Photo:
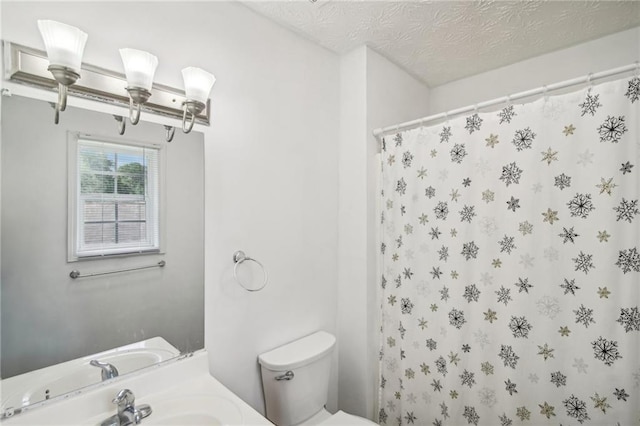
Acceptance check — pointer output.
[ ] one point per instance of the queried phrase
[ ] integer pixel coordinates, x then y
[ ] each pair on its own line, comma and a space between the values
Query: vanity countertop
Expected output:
178, 392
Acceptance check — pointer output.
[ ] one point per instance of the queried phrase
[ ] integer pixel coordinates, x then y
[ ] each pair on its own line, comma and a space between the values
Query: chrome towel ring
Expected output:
238, 258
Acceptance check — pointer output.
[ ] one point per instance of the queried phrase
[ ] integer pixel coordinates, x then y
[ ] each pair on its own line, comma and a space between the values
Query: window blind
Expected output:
117, 205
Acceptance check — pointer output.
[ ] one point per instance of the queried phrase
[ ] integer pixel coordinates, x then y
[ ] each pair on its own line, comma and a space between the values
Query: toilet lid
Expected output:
343, 419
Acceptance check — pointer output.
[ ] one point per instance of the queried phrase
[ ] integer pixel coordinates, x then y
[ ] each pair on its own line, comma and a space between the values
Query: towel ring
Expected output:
238, 258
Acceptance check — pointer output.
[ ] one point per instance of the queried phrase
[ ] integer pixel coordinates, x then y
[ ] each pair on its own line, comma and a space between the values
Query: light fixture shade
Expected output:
197, 83
139, 66
64, 43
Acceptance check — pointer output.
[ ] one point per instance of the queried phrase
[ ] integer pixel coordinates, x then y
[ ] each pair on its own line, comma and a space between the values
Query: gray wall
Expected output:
271, 159
47, 317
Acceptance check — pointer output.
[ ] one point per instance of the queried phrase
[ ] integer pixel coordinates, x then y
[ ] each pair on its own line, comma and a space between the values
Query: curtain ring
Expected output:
637, 70
508, 100
589, 82
545, 93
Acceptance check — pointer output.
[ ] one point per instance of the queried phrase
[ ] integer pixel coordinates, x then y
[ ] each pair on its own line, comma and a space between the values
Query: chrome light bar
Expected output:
28, 66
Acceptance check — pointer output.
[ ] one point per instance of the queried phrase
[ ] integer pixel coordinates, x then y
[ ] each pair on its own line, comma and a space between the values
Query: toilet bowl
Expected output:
295, 379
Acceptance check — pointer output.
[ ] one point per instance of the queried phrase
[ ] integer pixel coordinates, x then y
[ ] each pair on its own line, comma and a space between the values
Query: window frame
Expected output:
74, 198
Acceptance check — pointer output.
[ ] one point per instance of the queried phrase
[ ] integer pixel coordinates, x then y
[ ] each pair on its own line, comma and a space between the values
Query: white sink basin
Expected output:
60, 379
194, 410
180, 392
189, 419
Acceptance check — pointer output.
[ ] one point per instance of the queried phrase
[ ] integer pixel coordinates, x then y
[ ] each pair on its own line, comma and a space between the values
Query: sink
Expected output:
60, 379
180, 391
80, 374
194, 410
130, 360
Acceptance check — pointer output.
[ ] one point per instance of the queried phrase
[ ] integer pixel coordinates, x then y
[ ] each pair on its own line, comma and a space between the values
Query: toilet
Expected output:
295, 378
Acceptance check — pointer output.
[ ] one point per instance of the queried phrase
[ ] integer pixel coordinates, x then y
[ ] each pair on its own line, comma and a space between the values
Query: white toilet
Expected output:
295, 378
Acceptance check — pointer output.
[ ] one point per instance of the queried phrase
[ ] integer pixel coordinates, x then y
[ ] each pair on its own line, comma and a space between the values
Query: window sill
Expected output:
114, 256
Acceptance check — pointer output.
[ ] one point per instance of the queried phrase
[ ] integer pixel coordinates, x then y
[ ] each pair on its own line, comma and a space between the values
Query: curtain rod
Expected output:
540, 90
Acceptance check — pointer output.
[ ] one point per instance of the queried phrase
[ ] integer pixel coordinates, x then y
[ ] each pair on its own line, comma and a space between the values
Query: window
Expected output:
115, 198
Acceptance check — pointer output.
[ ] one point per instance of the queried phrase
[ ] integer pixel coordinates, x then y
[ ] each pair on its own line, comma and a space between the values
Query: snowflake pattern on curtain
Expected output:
510, 265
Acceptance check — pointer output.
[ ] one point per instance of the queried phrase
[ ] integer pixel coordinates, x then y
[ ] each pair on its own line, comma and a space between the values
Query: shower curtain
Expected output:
510, 265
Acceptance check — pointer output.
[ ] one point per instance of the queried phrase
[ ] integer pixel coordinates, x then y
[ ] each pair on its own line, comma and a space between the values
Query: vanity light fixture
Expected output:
139, 67
65, 45
63, 60
197, 86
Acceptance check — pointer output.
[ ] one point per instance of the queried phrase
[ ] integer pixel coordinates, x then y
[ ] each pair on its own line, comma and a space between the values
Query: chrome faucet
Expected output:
128, 413
108, 371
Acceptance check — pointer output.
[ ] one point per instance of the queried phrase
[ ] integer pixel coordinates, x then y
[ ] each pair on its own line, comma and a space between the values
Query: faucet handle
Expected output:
108, 371
124, 399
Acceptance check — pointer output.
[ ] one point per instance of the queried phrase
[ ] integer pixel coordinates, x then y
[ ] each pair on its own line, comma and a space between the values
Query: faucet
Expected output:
128, 413
108, 371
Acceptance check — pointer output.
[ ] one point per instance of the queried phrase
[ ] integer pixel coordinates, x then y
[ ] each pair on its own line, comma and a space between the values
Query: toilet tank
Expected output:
294, 397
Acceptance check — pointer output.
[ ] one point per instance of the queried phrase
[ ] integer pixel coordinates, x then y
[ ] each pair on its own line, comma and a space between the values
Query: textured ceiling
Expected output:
442, 41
